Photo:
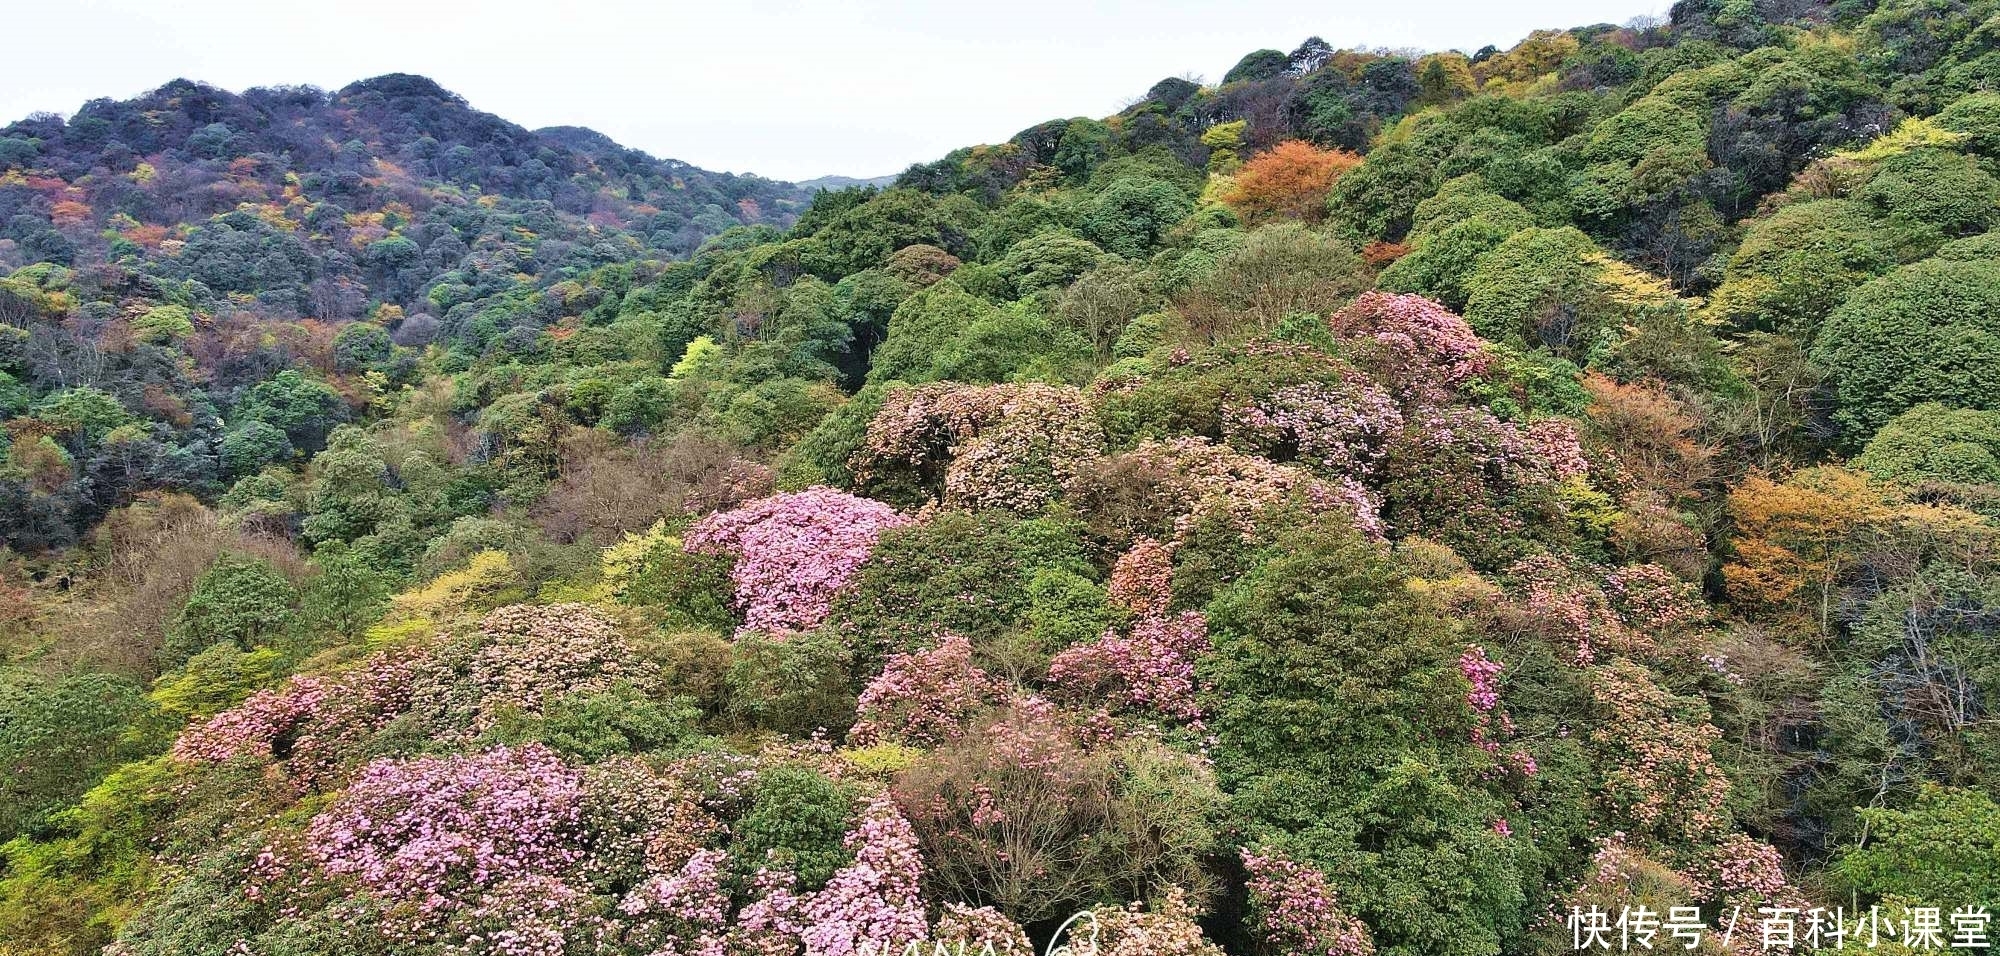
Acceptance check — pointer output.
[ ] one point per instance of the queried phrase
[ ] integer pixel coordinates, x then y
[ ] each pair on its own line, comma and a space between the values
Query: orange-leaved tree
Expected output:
1288, 181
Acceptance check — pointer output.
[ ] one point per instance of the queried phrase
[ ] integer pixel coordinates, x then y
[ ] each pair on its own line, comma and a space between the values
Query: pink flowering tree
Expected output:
925, 698
1142, 580
871, 905
1418, 347
1490, 722
1150, 670
982, 446
437, 832
1293, 910
793, 552
319, 721
527, 656
1192, 478
1338, 430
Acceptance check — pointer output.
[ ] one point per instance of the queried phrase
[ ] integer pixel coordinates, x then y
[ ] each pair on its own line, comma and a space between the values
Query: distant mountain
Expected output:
845, 182
397, 147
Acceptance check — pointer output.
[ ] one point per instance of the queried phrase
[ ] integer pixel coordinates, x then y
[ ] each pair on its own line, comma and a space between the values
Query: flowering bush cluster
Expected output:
437, 831
872, 904
1417, 344
527, 656
314, 720
793, 552
986, 446
1338, 431
1142, 579
1193, 478
1168, 929
1489, 722
1294, 910
1150, 670
1663, 780
925, 698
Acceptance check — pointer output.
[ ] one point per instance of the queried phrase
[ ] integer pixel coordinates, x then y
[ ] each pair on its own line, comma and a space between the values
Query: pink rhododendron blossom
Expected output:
528, 656
1195, 478
1142, 580
988, 446
321, 718
1295, 910
793, 552
1413, 342
925, 698
866, 906
433, 831
1556, 441
1338, 431
981, 930
1152, 669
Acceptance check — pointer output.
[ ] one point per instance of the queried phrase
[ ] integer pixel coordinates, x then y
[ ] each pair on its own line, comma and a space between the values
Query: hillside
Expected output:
1374, 504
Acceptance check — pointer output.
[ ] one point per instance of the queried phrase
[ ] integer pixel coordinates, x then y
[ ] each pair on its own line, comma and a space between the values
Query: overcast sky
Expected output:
789, 90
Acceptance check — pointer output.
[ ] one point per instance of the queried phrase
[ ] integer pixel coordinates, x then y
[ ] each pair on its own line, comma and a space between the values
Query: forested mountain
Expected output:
284, 228
1372, 504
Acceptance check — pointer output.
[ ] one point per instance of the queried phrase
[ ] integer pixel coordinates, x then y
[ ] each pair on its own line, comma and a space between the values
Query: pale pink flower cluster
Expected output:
1197, 478
870, 905
925, 698
1168, 929
685, 912
529, 656
1010, 445
1556, 441
1653, 598
1339, 431
1151, 669
531, 915
979, 928
318, 718
1568, 607
1419, 344
1664, 778
1483, 676
793, 552
1295, 910
1742, 871
1142, 580
1489, 722
435, 831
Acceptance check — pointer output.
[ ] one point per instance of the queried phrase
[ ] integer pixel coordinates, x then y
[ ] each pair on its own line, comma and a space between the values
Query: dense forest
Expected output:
1378, 503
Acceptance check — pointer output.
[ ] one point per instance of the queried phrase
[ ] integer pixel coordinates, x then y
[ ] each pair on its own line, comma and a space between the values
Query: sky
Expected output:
787, 90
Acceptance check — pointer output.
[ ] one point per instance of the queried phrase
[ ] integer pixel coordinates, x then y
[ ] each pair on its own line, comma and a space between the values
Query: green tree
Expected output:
1928, 332
240, 599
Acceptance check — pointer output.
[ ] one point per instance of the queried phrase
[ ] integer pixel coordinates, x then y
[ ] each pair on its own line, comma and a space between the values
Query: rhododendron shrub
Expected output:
1150, 670
793, 552
314, 722
1168, 929
527, 656
436, 832
1662, 780
981, 446
1592, 611
981, 930
1142, 579
1185, 480
1419, 348
1026, 813
1491, 723
925, 698
1471, 481
1294, 910
871, 905
1339, 431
